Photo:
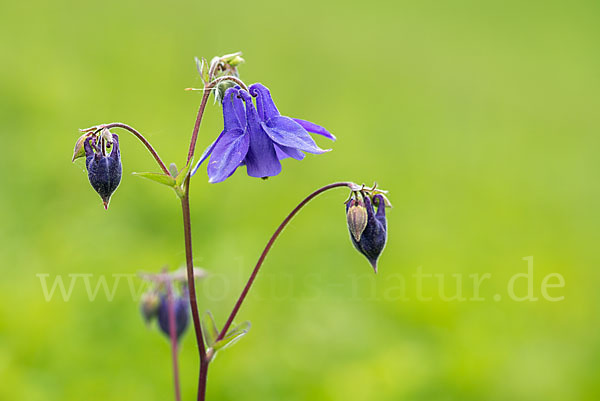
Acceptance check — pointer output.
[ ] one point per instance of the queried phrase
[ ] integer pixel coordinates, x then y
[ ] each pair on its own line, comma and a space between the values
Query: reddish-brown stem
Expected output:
205, 96
187, 230
264, 253
173, 336
142, 139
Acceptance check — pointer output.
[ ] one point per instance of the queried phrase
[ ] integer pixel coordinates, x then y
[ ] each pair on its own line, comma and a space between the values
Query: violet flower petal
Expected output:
261, 159
233, 110
227, 155
283, 152
285, 131
234, 119
207, 152
264, 102
315, 129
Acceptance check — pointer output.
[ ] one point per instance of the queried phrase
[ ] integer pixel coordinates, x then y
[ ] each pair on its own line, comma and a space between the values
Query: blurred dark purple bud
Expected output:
149, 305
182, 316
373, 237
104, 170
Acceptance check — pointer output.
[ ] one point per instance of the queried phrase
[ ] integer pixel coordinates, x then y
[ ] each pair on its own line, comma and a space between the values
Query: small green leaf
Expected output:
209, 328
232, 336
158, 177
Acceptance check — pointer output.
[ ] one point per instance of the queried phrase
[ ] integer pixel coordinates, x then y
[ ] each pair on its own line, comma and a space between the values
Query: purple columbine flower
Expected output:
369, 239
258, 137
182, 317
104, 171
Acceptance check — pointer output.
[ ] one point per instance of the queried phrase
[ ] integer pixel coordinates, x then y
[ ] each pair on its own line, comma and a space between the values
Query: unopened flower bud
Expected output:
233, 59
182, 318
374, 235
104, 171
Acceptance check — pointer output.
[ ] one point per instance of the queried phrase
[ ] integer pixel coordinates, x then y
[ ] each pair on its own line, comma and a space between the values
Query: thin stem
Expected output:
187, 231
205, 95
173, 336
264, 253
202, 379
187, 228
142, 139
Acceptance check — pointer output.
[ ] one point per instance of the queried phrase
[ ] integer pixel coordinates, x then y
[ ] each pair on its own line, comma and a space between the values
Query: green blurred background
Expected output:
479, 117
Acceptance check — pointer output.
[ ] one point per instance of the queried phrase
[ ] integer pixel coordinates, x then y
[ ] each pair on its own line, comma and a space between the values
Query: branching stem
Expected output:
268, 247
187, 230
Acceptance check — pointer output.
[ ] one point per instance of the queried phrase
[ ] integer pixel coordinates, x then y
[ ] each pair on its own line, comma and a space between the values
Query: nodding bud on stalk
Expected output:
104, 170
182, 316
167, 287
368, 230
